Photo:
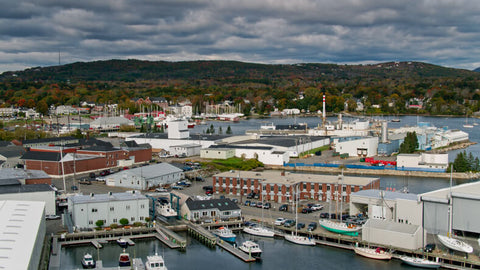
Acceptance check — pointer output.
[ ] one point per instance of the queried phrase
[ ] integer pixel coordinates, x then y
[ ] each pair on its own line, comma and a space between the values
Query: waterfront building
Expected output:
12, 190
161, 141
387, 205
146, 177
279, 186
23, 228
424, 161
210, 210
86, 210
186, 150
356, 146
393, 234
452, 209
25, 177
266, 154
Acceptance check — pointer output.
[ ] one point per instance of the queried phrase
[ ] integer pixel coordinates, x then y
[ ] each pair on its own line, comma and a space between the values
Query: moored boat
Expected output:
251, 248
166, 210
259, 231
340, 227
373, 253
124, 259
88, 261
455, 244
155, 262
225, 234
300, 240
419, 262
122, 242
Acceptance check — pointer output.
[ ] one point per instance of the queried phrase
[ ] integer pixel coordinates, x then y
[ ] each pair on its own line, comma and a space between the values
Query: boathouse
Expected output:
393, 234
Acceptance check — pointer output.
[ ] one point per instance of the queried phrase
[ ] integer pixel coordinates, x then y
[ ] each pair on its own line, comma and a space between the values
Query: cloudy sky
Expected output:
443, 32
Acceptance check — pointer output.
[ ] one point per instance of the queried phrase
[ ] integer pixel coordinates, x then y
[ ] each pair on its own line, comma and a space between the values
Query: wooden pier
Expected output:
235, 251
202, 235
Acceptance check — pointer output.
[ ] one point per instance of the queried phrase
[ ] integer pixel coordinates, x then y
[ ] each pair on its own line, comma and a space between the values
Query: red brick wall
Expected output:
38, 181
55, 168
142, 155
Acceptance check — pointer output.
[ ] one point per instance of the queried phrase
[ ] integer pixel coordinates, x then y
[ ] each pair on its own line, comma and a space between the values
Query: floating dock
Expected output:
235, 251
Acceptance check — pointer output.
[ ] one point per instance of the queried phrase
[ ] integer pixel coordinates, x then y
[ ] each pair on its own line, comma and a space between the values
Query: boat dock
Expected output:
202, 234
235, 251
137, 264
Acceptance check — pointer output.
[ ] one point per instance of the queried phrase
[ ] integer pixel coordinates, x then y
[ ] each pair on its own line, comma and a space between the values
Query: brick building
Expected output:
279, 186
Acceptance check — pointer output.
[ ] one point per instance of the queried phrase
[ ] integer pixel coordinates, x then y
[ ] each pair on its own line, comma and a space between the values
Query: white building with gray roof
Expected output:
10, 190
210, 210
146, 177
86, 210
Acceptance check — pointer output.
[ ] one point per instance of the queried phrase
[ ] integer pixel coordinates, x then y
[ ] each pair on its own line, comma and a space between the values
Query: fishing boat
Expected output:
155, 262
455, 244
124, 259
419, 262
340, 227
225, 234
294, 237
88, 261
122, 242
373, 253
251, 248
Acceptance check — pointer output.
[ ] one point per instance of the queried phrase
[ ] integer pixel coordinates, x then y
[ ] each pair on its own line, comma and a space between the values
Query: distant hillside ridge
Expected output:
229, 71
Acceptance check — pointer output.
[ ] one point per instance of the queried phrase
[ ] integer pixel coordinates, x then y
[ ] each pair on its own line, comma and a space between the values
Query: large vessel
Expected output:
419, 262
455, 244
340, 227
373, 253
88, 261
225, 234
155, 262
251, 248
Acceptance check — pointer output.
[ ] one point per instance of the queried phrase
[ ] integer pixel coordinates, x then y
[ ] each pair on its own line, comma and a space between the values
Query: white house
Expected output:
86, 210
146, 177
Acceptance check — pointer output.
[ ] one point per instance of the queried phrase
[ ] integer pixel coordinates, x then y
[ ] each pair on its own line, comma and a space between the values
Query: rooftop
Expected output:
387, 195
93, 198
469, 190
14, 173
276, 177
25, 189
220, 204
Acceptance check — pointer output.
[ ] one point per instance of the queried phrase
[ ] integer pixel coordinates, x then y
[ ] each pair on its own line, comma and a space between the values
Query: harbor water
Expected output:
277, 253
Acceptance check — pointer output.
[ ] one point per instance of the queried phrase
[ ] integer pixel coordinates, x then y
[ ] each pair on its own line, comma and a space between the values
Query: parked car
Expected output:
92, 175
177, 187
300, 225
253, 204
283, 207
316, 207
279, 221
259, 204
184, 183
187, 168
51, 217
267, 205
101, 179
207, 188
235, 200
289, 223
250, 195
74, 188
307, 210
160, 189
247, 203
312, 226
200, 179
209, 192
429, 247
324, 215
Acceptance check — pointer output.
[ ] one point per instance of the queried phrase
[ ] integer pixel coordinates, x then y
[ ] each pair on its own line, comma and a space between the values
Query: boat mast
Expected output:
449, 228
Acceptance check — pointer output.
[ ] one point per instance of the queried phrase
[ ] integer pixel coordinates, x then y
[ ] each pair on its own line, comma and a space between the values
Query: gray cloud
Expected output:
443, 32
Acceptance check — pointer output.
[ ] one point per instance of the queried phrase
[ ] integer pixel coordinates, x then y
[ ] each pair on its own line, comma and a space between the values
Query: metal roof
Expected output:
16, 173
12, 151
25, 188
20, 225
233, 146
94, 198
38, 155
386, 225
469, 190
220, 204
152, 171
284, 141
388, 195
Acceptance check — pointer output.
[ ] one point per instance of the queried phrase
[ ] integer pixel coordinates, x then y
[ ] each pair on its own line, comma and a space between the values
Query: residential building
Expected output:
210, 210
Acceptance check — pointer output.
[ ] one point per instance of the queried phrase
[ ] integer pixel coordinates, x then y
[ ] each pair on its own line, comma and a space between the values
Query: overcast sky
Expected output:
443, 32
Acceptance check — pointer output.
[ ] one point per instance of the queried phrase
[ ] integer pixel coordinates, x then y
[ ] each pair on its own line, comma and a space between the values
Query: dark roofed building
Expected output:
210, 210
48, 141
10, 156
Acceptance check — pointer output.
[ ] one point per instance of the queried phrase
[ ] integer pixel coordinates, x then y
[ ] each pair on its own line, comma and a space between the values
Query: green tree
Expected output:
124, 221
410, 143
99, 223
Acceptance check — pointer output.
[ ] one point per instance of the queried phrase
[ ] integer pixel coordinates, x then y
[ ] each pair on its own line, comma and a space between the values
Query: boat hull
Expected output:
259, 232
422, 263
332, 227
455, 244
372, 253
300, 240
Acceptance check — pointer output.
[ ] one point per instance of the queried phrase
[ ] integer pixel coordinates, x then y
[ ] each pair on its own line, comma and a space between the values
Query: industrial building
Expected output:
217, 153
146, 177
356, 146
35, 192
279, 186
23, 228
86, 210
393, 235
185, 150
424, 161
266, 154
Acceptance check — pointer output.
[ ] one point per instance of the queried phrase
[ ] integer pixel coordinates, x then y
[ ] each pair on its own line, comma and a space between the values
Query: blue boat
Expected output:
225, 234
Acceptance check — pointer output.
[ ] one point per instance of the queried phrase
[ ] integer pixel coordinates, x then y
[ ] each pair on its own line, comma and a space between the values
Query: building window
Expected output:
141, 218
90, 222
94, 210
352, 189
344, 189
142, 206
132, 218
112, 208
114, 220
304, 186
227, 213
328, 188
128, 207
204, 213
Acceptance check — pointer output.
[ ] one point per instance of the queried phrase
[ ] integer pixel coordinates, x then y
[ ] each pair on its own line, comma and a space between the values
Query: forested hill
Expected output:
232, 71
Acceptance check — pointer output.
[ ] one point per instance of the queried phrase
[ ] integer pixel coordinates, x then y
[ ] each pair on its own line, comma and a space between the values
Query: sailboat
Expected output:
467, 125
295, 238
448, 240
340, 227
419, 262
259, 230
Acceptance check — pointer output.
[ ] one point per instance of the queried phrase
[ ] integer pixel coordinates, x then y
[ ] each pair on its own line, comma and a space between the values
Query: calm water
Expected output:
278, 254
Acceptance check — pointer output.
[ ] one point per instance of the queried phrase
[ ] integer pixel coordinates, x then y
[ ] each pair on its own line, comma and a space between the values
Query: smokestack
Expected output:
323, 114
384, 131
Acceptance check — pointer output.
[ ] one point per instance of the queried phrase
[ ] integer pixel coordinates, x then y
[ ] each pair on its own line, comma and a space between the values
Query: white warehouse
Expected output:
86, 210
356, 146
428, 161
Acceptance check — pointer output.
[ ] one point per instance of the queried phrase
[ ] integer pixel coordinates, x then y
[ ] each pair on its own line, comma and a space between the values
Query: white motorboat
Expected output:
124, 259
259, 231
455, 244
300, 240
225, 234
155, 262
88, 261
419, 262
166, 210
251, 248
122, 242
373, 253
